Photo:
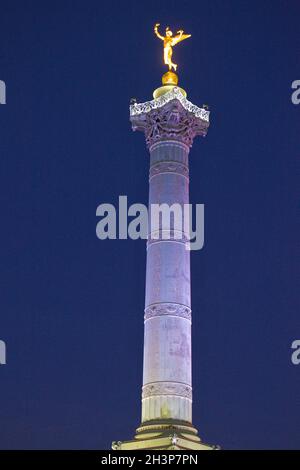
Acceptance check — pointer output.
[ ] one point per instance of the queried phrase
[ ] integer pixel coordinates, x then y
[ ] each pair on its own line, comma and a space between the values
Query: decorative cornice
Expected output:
167, 388
164, 308
175, 93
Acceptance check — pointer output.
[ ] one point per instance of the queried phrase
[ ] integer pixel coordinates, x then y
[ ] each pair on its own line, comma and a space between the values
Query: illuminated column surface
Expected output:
170, 123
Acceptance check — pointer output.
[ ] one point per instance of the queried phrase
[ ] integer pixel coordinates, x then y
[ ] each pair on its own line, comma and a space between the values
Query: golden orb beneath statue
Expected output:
169, 81
170, 78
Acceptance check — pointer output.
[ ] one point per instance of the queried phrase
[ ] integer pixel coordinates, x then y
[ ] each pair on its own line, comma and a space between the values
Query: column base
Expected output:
164, 435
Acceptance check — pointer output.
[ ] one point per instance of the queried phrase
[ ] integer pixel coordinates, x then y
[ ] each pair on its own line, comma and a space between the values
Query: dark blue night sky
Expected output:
72, 305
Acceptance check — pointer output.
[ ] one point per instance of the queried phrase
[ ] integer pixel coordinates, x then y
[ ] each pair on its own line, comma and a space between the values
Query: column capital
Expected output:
169, 117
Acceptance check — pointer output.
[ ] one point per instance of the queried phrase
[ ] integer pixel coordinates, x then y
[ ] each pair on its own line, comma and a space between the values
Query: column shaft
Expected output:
167, 385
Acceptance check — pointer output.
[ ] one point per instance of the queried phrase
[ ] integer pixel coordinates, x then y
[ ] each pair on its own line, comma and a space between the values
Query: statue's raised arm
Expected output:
157, 32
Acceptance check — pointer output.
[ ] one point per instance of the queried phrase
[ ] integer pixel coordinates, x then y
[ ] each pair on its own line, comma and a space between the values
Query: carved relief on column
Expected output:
167, 388
165, 235
163, 308
169, 167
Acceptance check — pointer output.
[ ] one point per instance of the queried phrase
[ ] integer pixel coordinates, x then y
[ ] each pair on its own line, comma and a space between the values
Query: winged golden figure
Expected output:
169, 42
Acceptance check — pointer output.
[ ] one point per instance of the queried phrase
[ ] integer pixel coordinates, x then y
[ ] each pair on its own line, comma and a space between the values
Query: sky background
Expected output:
72, 305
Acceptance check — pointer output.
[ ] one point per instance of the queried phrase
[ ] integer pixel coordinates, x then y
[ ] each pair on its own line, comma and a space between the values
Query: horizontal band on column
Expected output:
168, 308
167, 235
153, 242
174, 143
169, 167
167, 388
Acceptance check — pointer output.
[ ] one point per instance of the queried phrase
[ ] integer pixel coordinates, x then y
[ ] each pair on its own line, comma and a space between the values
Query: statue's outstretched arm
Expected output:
157, 33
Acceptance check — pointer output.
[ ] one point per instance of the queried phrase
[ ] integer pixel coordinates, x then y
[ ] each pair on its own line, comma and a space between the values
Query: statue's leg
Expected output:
170, 53
166, 57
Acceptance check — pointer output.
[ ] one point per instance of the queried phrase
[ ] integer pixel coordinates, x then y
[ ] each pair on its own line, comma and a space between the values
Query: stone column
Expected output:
167, 382
170, 123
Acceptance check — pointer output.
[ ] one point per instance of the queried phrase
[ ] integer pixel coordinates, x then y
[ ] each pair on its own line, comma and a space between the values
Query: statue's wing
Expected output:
179, 38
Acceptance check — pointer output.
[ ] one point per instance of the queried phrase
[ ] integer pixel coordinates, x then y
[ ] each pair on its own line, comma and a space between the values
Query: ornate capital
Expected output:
169, 117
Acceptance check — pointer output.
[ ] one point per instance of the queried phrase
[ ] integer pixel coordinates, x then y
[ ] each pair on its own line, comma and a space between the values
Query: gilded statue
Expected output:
169, 42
